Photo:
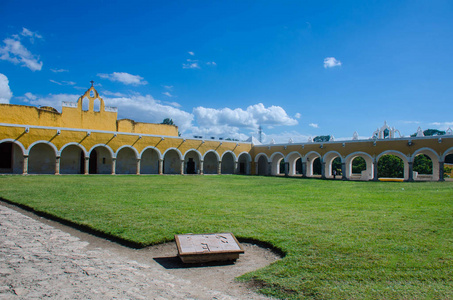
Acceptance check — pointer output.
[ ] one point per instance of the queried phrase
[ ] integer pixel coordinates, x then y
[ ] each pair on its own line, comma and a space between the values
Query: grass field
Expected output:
350, 240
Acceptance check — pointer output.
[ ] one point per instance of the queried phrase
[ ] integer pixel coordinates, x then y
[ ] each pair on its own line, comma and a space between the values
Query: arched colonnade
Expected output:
295, 164
43, 157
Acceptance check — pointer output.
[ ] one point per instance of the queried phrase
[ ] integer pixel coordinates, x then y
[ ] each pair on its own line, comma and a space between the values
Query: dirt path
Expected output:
41, 258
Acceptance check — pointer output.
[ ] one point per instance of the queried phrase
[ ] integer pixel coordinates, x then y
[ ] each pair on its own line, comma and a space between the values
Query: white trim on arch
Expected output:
367, 174
257, 157
73, 144
431, 151
446, 153
15, 142
181, 157
200, 157
232, 153
152, 148
245, 153
212, 151
102, 145
137, 156
42, 142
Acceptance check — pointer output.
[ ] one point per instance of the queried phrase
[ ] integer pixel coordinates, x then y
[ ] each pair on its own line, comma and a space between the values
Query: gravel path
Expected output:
40, 261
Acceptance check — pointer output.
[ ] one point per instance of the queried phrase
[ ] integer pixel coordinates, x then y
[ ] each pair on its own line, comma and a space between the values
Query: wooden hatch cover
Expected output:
200, 248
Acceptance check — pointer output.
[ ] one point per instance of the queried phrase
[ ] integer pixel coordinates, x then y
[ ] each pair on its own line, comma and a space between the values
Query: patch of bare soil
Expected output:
215, 276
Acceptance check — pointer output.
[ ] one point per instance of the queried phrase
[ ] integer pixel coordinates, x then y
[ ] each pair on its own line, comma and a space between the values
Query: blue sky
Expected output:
222, 68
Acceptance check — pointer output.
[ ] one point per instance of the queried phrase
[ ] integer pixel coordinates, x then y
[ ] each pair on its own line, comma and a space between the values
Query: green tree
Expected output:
358, 164
423, 164
321, 138
390, 166
168, 121
336, 165
430, 132
317, 166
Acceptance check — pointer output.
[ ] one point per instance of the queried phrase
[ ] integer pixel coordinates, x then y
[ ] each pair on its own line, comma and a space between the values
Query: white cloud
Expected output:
283, 137
115, 94
49, 100
297, 115
314, 125
14, 51
125, 78
168, 87
211, 63
191, 64
191, 53
5, 91
59, 70
167, 94
251, 118
442, 125
330, 62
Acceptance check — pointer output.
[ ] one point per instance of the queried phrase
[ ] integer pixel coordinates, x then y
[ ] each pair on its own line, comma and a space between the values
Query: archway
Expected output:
244, 161
72, 160
261, 162
126, 161
359, 166
425, 165
11, 158
313, 164
149, 162
227, 163
100, 160
191, 162
294, 160
172, 162
392, 164
276, 168
329, 166
210, 163
41, 159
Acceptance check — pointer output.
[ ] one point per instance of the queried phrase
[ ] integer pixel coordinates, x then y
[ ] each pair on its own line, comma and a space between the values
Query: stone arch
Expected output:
192, 159
228, 162
172, 161
211, 162
261, 164
42, 158
11, 156
275, 159
401, 156
101, 159
293, 159
446, 153
328, 159
126, 160
244, 163
367, 174
72, 159
149, 160
435, 158
310, 157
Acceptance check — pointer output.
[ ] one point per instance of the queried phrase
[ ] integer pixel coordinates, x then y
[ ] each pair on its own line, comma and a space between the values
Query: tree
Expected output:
168, 121
430, 132
390, 166
321, 138
358, 164
423, 164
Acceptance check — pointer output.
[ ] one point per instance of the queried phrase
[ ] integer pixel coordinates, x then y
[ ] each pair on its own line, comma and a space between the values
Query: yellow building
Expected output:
87, 138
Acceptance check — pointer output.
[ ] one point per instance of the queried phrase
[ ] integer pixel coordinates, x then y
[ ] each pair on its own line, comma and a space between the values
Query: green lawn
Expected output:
349, 240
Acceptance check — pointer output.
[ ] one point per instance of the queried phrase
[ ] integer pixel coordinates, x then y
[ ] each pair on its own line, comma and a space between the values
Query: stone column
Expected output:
87, 165
160, 168
138, 166
343, 171
201, 167
441, 171
235, 171
113, 166
57, 165
219, 168
411, 171
286, 169
375, 170
304, 169
182, 166
323, 170
25, 172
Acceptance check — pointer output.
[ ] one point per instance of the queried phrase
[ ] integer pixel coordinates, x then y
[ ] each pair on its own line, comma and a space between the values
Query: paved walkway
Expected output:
39, 261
